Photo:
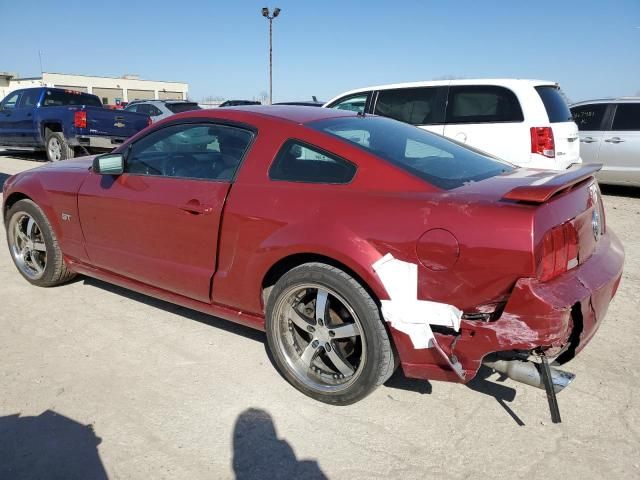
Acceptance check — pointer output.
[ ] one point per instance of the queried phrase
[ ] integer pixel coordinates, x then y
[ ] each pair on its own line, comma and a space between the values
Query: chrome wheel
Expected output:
27, 245
320, 337
54, 148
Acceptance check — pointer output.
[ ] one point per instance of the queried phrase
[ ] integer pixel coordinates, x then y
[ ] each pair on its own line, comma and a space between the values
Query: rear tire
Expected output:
33, 246
326, 335
57, 147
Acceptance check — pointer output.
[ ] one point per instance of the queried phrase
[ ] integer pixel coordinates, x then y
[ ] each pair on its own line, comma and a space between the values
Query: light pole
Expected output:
265, 14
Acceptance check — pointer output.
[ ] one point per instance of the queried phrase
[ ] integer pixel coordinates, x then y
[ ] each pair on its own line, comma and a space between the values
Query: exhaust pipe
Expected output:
528, 372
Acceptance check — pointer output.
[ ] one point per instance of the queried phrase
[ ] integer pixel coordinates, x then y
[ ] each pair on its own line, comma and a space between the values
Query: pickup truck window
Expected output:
30, 98
57, 98
11, 101
200, 151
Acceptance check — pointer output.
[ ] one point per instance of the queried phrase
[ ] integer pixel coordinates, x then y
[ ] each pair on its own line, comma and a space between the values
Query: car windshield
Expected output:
430, 157
182, 107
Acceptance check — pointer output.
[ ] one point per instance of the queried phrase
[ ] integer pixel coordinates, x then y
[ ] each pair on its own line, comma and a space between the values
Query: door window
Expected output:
354, 103
627, 117
202, 151
11, 101
30, 98
589, 117
482, 104
417, 106
300, 162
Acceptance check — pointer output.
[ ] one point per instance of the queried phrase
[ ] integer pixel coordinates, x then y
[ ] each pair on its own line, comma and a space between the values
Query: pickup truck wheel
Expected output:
34, 247
326, 336
57, 147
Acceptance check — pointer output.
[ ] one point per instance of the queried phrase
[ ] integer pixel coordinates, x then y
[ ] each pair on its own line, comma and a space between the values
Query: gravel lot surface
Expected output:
100, 382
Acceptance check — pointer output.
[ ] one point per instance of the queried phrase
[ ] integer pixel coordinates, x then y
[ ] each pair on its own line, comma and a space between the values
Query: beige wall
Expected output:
140, 95
170, 95
110, 94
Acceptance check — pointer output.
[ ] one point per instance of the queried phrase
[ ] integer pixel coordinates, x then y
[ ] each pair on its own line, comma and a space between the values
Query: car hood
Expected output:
82, 163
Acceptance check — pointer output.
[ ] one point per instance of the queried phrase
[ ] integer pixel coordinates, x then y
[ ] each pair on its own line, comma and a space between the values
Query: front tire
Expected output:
33, 246
326, 335
57, 147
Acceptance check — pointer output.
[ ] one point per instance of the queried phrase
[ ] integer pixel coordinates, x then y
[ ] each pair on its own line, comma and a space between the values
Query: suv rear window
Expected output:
554, 103
430, 157
57, 98
182, 107
482, 104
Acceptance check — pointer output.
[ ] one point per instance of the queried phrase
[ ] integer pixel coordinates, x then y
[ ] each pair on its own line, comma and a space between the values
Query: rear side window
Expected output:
417, 106
57, 98
300, 162
482, 104
353, 103
182, 107
627, 117
30, 98
589, 117
554, 103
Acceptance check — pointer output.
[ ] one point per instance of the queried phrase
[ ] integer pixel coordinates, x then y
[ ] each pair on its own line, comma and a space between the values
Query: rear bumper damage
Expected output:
558, 317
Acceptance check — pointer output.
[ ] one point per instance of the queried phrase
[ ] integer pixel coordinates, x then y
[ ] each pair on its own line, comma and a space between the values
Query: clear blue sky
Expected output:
325, 47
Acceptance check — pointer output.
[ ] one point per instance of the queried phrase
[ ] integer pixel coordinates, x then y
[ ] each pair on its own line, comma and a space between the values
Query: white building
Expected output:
111, 90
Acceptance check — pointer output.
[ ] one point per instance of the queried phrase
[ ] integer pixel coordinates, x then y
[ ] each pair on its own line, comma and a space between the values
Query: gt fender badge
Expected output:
66, 217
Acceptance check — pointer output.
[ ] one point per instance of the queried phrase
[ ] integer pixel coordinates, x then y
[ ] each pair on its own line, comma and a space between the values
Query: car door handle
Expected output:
196, 208
614, 140
588, 140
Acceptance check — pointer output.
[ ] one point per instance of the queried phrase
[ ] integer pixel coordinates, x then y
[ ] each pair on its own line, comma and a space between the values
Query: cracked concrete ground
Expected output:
100, 382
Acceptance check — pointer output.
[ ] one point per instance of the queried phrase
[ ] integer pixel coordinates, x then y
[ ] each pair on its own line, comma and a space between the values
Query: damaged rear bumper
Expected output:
559, 316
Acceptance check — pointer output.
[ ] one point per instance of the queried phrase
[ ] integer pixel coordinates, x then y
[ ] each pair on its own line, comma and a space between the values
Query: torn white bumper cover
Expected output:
404, 311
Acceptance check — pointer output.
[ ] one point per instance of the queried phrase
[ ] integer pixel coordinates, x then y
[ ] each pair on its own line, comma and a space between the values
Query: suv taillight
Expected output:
558, 251
542, 141
80, 119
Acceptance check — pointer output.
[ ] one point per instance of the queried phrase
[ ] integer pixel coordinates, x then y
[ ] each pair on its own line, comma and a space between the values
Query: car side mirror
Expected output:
109, 164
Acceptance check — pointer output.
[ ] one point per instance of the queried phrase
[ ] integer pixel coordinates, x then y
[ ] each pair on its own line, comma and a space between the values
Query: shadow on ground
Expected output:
258, 452
32, 156
216, 322
48, 446
620, 191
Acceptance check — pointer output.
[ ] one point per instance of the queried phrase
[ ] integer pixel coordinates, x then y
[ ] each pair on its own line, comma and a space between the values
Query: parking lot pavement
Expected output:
97, 381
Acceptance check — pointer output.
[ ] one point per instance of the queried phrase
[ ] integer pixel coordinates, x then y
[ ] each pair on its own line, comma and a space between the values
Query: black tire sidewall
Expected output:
54, 255
368, 313
66, 151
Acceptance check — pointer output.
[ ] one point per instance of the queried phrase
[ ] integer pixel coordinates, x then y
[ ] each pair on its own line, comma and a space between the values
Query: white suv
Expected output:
526, 122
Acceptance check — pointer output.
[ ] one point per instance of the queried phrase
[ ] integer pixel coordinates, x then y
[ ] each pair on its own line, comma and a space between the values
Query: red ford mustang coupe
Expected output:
358, 243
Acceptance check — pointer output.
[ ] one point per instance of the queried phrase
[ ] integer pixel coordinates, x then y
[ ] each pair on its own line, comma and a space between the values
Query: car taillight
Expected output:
542, 141
80, 119
558, 251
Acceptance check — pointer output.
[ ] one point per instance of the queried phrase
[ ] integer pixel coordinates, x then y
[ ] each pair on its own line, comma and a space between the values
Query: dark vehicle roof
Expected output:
234, 103
302, 104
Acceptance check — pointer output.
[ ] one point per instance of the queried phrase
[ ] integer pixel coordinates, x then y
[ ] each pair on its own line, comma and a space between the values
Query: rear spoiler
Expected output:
552, 184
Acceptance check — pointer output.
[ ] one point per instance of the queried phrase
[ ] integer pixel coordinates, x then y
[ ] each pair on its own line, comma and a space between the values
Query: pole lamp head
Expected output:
276, 12
265, 12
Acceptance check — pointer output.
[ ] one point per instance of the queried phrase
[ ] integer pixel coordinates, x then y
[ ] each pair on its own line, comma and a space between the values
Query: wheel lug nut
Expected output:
332, 333
327, 347
320, 322
314, 344
311, 329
